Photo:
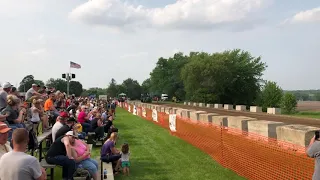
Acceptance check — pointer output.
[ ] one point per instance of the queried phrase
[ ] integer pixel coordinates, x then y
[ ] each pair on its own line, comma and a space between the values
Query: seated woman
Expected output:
81, 154
83, 119
98, 126
15, 114
110, 154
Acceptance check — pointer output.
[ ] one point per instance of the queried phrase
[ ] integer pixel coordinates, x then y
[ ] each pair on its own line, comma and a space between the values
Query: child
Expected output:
125, 154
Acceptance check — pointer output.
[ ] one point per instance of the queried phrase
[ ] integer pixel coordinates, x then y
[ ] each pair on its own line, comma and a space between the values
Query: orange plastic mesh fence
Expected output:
250, 155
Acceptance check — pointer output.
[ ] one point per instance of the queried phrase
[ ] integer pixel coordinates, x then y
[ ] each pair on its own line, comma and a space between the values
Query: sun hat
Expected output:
6, 85
70, 133
4, 128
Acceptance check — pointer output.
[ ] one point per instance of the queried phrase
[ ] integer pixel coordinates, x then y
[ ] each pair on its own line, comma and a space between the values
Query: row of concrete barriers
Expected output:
255, 109
295, 134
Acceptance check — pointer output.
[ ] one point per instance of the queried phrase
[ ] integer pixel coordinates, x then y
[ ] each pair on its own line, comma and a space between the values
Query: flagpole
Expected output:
68, 80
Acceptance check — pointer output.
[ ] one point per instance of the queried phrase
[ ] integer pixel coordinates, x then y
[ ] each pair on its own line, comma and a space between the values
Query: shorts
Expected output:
125, 164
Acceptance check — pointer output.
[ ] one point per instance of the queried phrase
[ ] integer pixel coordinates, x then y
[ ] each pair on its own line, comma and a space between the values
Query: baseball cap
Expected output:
64, 115
4, 127
6, 85
70, 133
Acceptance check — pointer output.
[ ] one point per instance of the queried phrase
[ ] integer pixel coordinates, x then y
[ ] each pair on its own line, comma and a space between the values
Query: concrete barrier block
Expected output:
228, 106
162, 109
195, 104
179, 112
195, 115
239, 122
241, 108
296, 134
209, 105
168, 110
174, 110
274, 110
270, 111
217, 120
185, 113
202, 104
189, 103
218, 106
207, 117
264, 128
255, 109
185, 103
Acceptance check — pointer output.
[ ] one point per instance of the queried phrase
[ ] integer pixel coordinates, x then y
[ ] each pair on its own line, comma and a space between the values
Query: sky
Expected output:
121, 39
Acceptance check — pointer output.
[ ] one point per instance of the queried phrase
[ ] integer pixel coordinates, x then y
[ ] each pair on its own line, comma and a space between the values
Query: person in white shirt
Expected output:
17, 165
4, 143
59, 123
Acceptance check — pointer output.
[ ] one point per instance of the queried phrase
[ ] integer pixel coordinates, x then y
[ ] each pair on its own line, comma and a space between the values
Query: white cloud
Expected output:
308, 16
139, 54
181, 14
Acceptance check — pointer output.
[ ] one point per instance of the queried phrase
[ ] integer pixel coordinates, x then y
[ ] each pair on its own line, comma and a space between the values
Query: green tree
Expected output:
165, 77
146, 86
288, 103
232, 77
27, 82
58, 84
112, 89
271, 95
132, 88
96, 91
75, 87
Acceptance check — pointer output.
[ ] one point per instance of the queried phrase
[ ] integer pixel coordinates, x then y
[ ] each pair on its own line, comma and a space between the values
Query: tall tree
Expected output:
132, 88
165, 77
146, 86
75, 88
112, 89
271, 95
26, 83
232, 77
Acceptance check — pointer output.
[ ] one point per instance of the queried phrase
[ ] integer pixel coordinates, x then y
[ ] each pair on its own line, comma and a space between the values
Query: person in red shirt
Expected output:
83, 119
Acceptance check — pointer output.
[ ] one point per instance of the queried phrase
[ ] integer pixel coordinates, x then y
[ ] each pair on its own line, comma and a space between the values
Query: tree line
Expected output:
228, 77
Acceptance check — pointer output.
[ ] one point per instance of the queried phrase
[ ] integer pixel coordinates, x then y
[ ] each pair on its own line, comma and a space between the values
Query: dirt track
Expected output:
260, 116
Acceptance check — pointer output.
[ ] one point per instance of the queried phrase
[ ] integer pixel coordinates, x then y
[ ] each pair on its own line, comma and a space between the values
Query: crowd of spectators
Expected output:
69, 119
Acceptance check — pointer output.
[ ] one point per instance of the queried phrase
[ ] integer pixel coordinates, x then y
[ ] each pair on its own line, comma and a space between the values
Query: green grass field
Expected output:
308, 114
157, 155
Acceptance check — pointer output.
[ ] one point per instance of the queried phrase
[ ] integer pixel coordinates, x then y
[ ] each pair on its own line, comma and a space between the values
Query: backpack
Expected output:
33, 141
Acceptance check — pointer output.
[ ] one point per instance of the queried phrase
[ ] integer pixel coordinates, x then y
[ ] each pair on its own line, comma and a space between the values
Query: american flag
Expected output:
74, 65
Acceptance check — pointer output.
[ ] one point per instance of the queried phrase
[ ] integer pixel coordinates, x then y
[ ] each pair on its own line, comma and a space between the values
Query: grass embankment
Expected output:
307, 114
157, 155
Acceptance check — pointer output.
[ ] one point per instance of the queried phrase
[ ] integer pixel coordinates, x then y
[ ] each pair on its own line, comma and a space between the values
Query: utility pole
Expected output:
68, 77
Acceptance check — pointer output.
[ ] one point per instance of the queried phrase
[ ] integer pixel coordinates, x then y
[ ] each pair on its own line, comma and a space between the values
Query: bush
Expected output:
289, 103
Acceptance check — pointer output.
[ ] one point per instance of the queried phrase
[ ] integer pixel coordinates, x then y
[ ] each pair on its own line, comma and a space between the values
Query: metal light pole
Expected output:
68, 83
68, 77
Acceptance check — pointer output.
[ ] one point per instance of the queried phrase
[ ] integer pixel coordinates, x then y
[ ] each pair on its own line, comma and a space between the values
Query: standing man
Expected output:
17, 165
6, 88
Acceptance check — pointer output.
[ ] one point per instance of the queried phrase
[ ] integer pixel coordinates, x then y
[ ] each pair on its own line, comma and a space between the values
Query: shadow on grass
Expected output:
145, 169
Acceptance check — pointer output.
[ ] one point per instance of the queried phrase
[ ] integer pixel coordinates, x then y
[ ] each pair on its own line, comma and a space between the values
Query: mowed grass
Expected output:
157, 155
308, 114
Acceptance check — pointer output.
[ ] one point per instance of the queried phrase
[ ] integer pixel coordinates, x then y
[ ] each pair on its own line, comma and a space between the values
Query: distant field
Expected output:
308, 106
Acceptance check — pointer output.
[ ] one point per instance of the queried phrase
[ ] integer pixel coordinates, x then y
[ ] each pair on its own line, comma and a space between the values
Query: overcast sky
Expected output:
120, 39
